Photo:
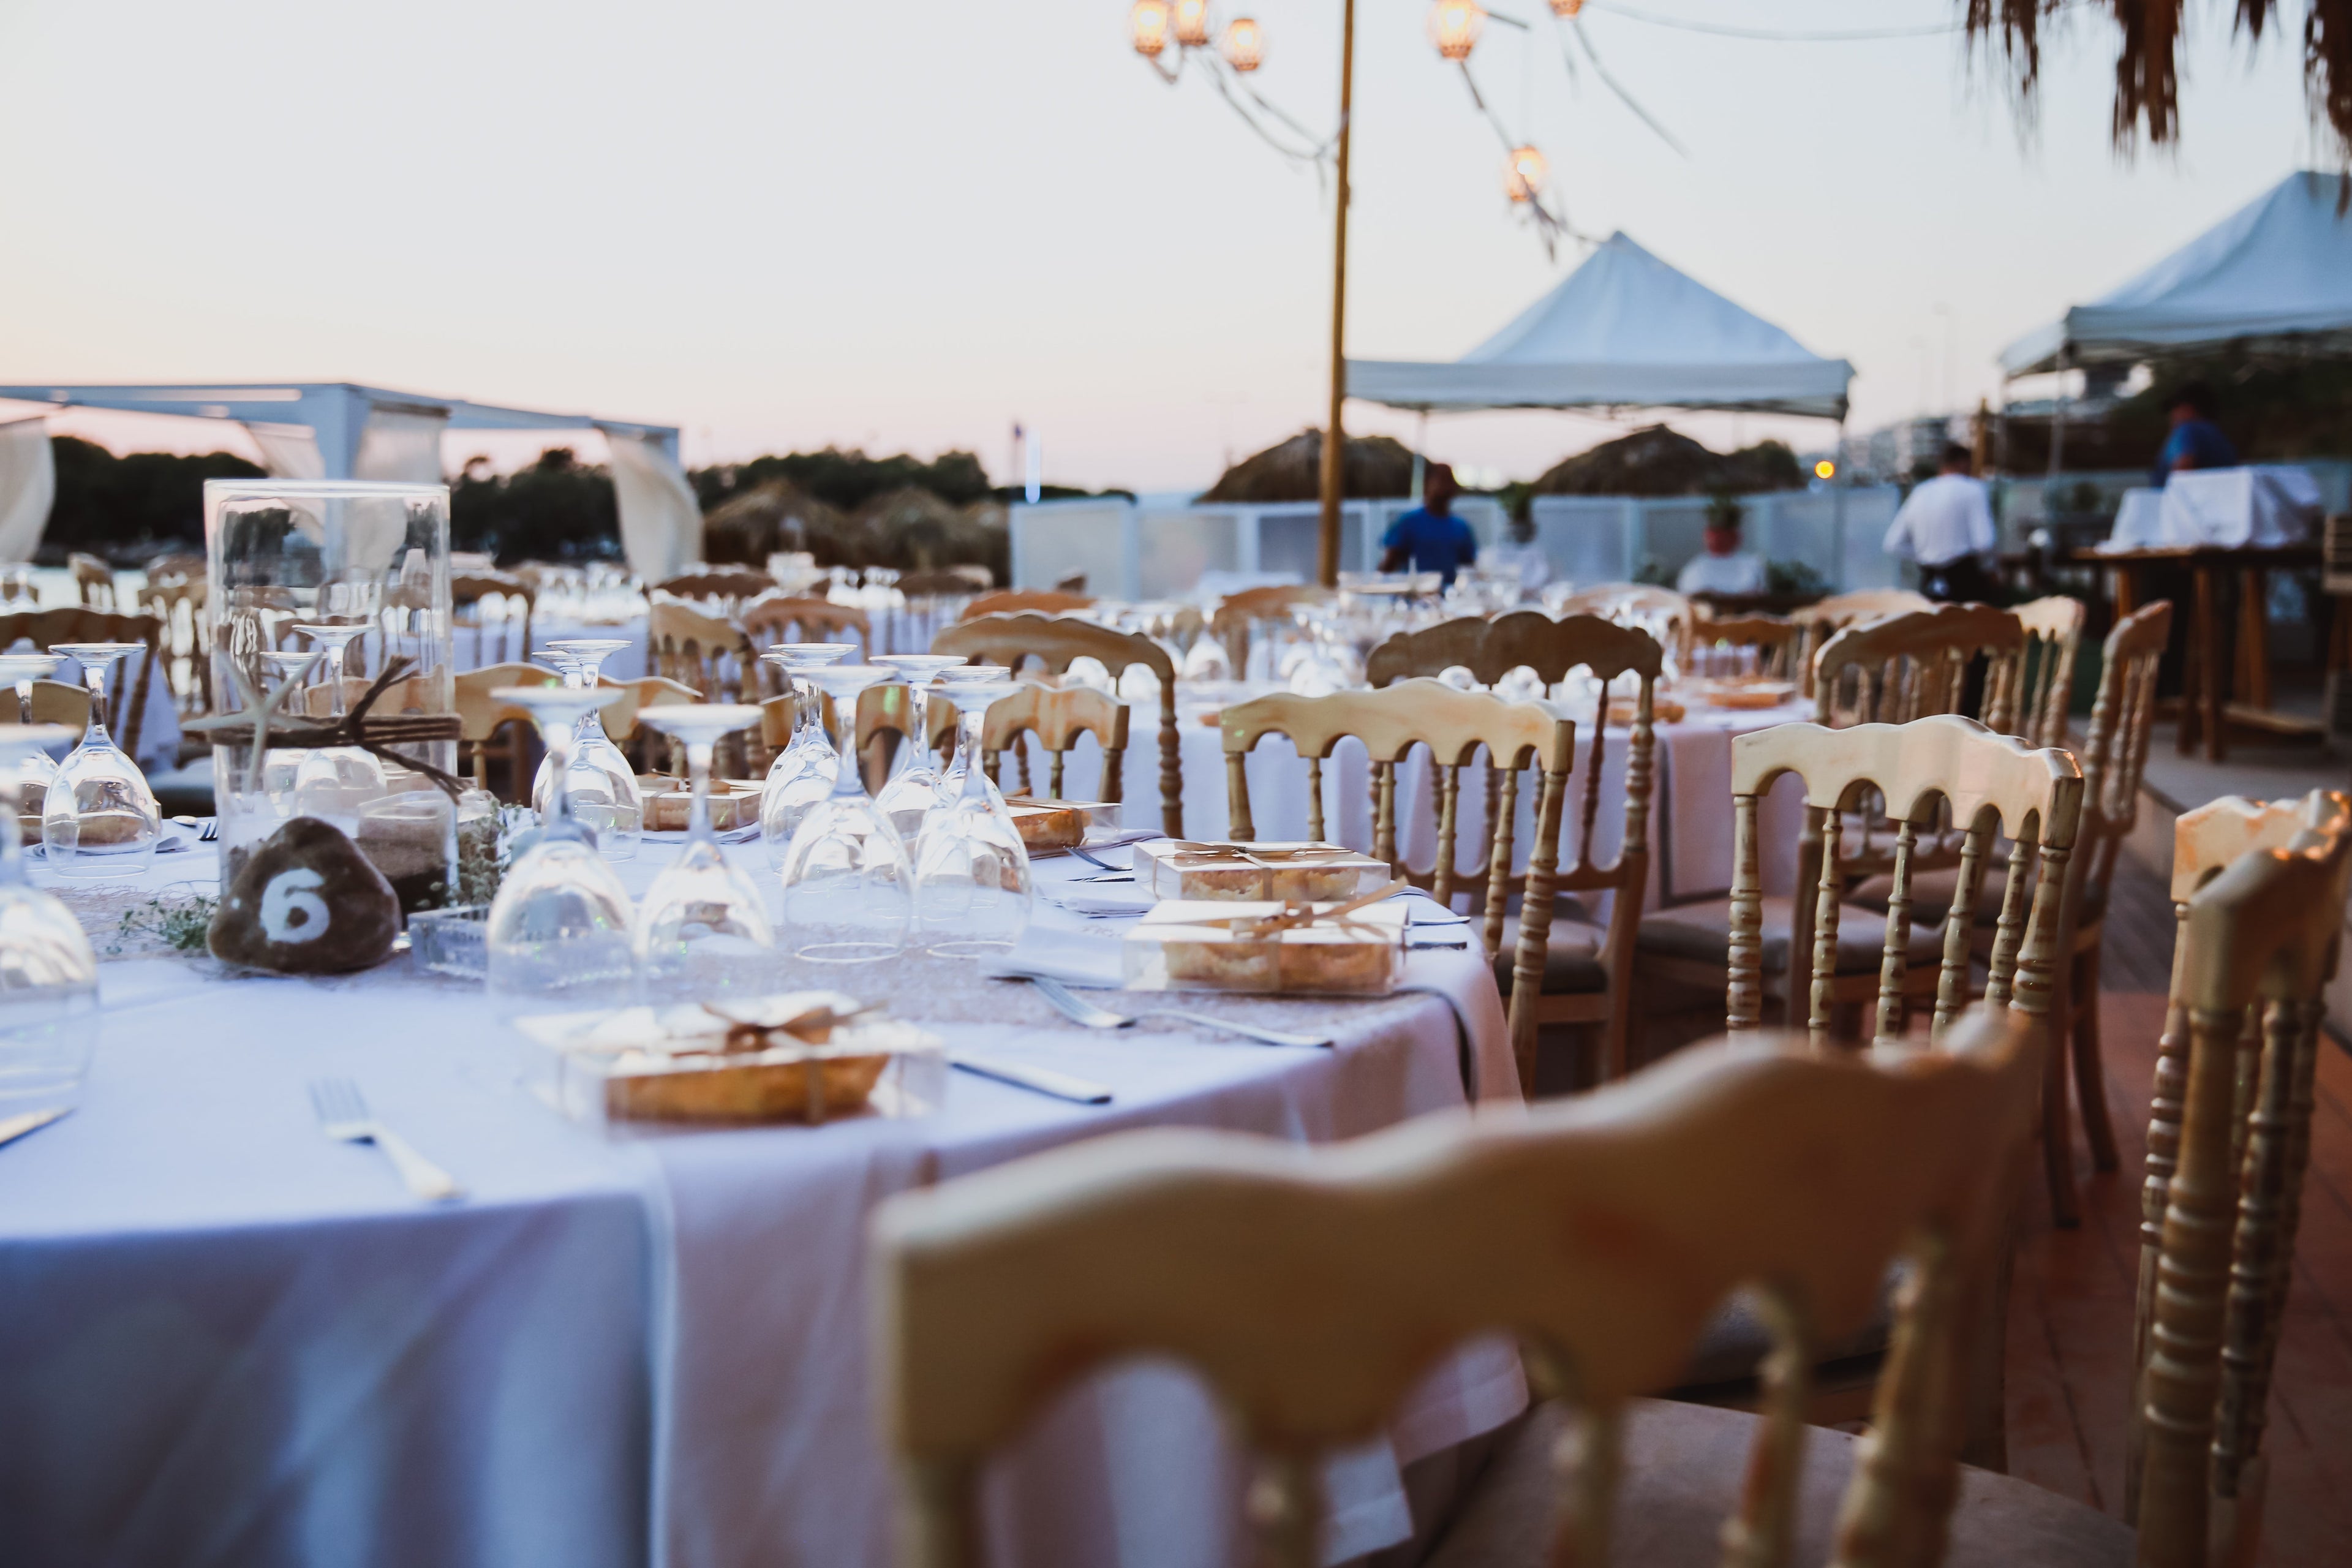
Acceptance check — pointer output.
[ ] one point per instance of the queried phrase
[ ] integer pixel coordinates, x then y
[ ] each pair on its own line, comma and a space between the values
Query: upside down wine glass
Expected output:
913, 790
37, 768
560, 930
603, 782
49, 975
974, 891
802, 773
848, 886
99, 818
335, 780
703, 931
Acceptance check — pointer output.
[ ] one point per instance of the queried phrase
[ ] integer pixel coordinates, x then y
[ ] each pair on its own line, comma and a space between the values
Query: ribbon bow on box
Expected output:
1298, 917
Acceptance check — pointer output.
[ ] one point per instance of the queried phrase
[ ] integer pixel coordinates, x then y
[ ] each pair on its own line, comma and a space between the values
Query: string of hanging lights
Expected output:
1228, 59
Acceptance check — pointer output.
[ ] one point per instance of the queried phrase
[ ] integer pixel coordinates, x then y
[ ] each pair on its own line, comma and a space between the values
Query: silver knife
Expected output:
1041, 1080
16, 1127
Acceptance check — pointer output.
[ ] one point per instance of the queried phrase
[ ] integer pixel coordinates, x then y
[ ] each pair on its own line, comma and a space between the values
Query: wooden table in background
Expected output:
2209, 675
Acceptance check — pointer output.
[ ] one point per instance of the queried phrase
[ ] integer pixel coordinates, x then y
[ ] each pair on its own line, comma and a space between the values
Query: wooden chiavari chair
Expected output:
1774, 639
778, 618
1056, 641
713, 659
481, 719
1237, 617
470, 599
2054, 637
721, 592
1825, 618
178, 605
2261, 925
46, 628
1311, 1290
1896, 668
879, 708
1653, 610
93, 581
1019, 601
1058, 715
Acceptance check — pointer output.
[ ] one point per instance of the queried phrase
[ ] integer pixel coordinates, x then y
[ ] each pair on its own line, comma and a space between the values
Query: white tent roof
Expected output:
1625, 330
2278, 267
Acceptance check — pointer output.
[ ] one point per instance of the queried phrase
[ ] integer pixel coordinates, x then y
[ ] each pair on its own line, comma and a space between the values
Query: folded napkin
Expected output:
1074, 958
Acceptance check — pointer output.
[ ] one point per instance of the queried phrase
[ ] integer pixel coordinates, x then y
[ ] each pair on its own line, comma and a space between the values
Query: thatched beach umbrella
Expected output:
1375, 468
747, 529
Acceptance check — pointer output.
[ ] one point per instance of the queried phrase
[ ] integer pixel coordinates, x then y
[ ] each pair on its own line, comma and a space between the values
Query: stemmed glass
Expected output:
703, 930
848, 886
972, 885
914, 788
802, 773
99, 818
334, 778
21, 670
283, 766
603, 782
558, 930
49, 975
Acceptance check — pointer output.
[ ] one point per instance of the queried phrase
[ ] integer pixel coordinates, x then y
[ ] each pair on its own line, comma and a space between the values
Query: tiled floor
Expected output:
2070, 1329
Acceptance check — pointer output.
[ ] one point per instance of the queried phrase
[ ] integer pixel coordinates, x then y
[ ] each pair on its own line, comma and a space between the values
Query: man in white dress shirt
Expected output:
1945, 525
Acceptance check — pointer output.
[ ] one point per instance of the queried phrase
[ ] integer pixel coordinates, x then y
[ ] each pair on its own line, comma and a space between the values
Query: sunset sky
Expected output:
903, 226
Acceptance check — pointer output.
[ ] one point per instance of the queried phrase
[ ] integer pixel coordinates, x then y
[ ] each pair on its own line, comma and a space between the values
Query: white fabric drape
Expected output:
28, 485
661, 523
288, 451
402, 443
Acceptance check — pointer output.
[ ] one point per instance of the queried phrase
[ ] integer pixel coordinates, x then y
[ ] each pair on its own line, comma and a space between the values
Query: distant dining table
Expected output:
226, 1339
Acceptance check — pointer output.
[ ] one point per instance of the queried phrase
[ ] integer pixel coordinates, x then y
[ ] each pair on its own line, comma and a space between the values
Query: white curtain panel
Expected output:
28, 484
402, 443
661, 523
288, 451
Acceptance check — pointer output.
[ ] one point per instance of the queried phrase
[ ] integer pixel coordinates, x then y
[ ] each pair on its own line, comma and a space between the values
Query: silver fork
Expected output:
1093, 1017
343, 1115
207, 827
1079, 850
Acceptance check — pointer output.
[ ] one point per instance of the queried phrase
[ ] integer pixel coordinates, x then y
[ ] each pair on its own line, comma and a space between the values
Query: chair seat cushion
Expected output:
1571, 956
1931, 896
1702, 932
1684, 1469
1737, 1341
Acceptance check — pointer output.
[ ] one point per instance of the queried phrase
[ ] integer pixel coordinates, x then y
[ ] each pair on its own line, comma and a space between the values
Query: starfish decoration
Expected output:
263, 708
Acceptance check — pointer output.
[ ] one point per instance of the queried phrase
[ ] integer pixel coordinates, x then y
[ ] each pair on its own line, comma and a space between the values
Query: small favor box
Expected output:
734, 803
1048, 827
693, 1066
1222, 945
1282, 873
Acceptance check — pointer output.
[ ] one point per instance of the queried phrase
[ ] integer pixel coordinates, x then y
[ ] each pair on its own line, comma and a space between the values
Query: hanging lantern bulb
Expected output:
1454, 26
1191, 22
1524, 172
1244, 44
1146, 24
1567, 8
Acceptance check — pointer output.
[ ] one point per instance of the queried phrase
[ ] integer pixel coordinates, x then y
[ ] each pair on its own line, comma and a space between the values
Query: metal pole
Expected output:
1327, 541
2058, 418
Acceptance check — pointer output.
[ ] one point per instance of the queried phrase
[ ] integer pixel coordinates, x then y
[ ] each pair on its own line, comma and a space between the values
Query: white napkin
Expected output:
1074, 958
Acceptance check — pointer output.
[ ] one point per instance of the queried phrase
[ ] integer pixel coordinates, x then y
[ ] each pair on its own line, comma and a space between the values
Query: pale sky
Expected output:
903, 225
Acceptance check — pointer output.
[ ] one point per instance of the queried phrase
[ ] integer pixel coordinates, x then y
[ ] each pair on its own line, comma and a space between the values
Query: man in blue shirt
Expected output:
2196, 442
1429, 536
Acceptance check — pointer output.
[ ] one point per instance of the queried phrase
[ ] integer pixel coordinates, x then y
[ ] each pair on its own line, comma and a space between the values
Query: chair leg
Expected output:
2058, 1140
2090, 1073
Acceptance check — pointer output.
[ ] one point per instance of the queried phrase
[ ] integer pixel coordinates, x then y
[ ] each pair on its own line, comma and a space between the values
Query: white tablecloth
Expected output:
2259, 505
226, 1340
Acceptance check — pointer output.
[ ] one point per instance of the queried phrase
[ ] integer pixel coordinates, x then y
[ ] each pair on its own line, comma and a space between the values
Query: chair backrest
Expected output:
723, 590
480, 717
45, 629
940, 584
177, 603
1014, 601
1825, 618
647, 691
1055, 641
1238, 615
691, 647
1654, 610
54, 702
2054, 635
177, 565
1989, 782
2115, 752
1311, 1290
93, 581
468, 593
1058, 715
2258, 947
776, 618
1774, 639
1900, 668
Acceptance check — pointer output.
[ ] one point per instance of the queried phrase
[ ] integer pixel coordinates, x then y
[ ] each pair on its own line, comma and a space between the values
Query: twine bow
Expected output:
374, 736
1300, 916
1187, 855
814, 1027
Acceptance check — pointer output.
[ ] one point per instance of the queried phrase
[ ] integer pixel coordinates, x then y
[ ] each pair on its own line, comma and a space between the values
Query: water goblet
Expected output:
335, 780
802, 773
49, 975
37, 768
603, 781
98, 817
848, 886
560, 929
974, 891
703, 931
914, 789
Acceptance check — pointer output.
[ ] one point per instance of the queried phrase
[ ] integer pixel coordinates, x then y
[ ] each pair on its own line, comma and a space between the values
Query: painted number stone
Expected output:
306, 902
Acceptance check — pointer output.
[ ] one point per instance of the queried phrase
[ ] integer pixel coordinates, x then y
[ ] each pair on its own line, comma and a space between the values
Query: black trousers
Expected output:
1961, 581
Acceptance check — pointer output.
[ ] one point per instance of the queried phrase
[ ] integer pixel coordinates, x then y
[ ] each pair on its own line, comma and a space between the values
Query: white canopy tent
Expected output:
1623, 329
339, 431
2275, 273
